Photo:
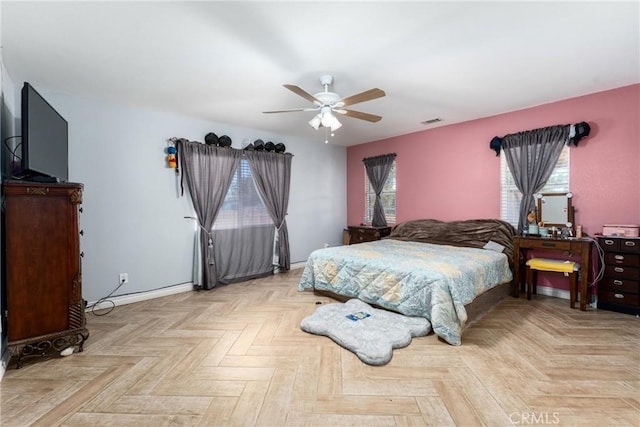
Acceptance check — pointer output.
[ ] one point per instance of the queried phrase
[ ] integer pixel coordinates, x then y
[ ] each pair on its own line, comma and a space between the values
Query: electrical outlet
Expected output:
124, 278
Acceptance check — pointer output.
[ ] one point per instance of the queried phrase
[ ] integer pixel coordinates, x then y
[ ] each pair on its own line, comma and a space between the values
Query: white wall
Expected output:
133, 212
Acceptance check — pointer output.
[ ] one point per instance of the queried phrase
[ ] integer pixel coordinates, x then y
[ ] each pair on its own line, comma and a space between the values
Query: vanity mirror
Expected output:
555, 210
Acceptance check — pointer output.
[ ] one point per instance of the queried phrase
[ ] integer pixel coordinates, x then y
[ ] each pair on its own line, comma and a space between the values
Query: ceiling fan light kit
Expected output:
329, 103
315, 122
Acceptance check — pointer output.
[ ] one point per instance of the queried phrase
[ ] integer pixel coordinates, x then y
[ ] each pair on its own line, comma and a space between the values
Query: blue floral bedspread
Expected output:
412, 278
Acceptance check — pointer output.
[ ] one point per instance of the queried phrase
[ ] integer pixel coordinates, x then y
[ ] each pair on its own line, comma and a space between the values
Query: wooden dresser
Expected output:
44, 305
361, 233
619, 289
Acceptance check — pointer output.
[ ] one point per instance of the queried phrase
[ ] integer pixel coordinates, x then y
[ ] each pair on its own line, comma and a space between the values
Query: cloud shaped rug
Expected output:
370, 333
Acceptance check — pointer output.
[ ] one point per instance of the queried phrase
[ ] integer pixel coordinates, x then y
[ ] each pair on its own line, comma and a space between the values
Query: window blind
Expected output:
242, 205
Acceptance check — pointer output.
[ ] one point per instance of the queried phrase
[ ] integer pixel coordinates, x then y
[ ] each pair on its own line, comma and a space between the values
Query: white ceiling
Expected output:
227, 61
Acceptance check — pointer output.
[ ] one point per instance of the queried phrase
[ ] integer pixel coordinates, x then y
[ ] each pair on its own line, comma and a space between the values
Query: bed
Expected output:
447, 272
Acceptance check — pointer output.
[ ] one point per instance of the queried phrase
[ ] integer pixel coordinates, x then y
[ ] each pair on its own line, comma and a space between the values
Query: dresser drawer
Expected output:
549, 244
621, 272
609, 244
620, 244
619, 285
630, 245
619, 298
625, 259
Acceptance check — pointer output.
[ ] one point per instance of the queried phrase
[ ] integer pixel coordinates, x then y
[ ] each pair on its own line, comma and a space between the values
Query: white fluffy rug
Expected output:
370, 333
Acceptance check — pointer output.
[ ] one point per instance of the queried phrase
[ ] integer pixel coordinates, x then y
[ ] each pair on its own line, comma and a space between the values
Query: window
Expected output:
388, 197
510, 195
242, 205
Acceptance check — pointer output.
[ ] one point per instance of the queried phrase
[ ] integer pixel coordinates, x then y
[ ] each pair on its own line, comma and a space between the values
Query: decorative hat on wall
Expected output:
581, 130
496, 144
224, 141
211, 139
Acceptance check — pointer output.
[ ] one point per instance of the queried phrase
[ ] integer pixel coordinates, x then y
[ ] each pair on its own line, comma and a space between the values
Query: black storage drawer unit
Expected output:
619, 289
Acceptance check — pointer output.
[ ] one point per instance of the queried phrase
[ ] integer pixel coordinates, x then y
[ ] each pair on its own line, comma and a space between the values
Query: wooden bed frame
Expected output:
474, 233
477, 308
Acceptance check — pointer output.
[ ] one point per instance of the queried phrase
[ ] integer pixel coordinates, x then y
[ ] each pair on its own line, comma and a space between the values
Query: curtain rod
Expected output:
577, 131
380, 156
243, 150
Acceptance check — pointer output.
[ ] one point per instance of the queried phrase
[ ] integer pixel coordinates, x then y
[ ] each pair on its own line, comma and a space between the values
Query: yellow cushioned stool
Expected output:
569, 268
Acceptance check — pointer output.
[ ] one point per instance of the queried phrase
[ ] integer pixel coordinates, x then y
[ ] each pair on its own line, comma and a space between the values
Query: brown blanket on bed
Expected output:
473, 233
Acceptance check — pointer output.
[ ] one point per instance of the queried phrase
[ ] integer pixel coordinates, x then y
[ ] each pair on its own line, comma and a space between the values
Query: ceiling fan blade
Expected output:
301, 92
360, 115
367, 95
291, 110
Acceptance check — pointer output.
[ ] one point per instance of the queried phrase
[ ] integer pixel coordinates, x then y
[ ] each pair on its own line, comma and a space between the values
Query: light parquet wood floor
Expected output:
236, 356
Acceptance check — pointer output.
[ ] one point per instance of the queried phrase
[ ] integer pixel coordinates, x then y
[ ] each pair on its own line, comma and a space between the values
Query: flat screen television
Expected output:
45, 137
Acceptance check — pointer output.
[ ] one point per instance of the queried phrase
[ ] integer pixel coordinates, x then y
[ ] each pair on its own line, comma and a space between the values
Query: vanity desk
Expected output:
575, 246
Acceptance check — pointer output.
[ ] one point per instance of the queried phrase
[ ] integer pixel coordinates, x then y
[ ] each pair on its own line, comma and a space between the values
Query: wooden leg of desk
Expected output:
585, 264
583, 292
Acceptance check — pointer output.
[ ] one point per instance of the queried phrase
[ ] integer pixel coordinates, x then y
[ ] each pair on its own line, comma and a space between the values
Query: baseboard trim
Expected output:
564, 294
157, 293
297, 265
142, 296
553, 292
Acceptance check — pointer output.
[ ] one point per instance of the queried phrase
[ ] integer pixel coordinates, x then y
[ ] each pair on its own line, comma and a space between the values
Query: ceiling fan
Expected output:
327, 103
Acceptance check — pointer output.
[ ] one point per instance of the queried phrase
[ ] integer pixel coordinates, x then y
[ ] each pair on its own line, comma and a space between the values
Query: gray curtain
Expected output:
378, 169
272, 175
243, 253
208, 171
531, 157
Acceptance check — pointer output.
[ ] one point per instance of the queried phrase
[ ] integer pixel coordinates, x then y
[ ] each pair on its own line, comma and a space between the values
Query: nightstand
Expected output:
362, 233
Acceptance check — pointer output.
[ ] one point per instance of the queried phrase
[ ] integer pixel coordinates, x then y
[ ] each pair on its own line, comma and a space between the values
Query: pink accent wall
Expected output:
450, 173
